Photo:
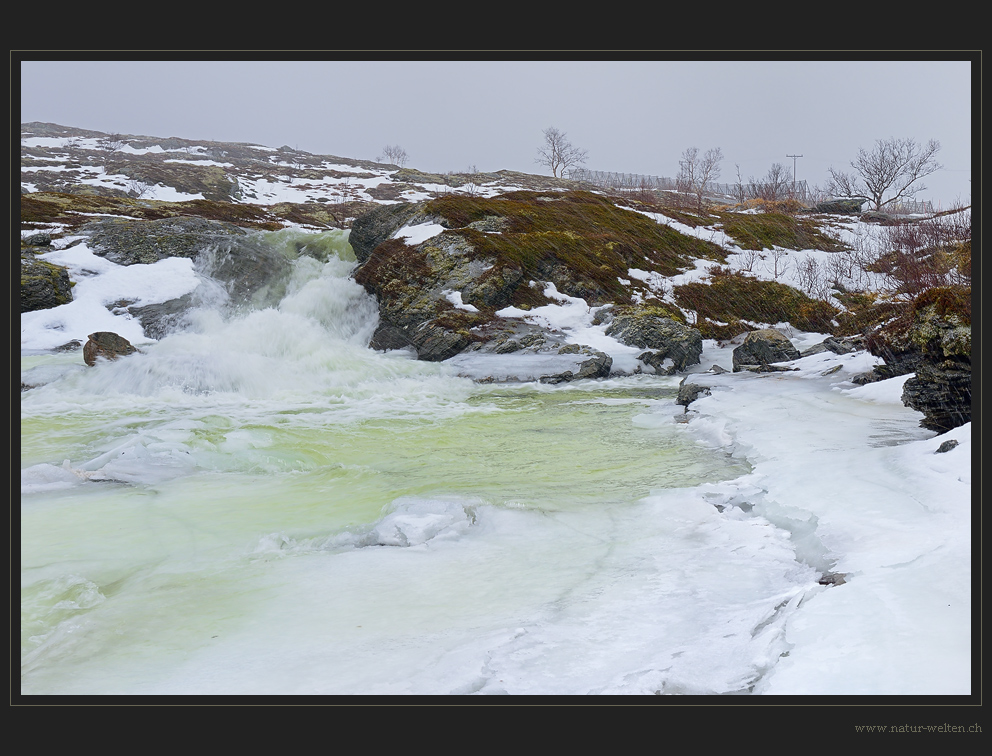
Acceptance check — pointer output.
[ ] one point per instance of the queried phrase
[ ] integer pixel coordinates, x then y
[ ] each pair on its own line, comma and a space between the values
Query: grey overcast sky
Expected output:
631, 116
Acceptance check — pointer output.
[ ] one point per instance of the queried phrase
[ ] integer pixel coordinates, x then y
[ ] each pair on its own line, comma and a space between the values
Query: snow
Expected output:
418, 233
888, 513
100, 282
455, 297
200, 162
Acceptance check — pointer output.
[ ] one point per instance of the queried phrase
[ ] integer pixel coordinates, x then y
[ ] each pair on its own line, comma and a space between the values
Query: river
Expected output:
260, 504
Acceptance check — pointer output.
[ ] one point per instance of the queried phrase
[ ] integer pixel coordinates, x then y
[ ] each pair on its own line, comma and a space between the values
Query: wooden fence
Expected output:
637, 181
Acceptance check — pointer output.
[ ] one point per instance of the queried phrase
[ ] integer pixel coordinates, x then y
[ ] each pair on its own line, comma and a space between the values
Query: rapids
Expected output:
260, 504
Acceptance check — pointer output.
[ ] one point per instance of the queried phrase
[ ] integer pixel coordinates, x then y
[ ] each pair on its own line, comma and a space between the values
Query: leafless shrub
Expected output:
137, 188
812, 278
815, 195
909, 258
780, 263
112, 142
747, 259
840, 268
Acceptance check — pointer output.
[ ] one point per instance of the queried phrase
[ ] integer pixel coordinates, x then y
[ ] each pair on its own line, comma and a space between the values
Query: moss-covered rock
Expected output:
762, 348
496, 252
930, 337
43, 284
656, 329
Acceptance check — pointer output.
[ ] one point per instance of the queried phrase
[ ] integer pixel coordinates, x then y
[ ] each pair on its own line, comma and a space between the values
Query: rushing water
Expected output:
261, 504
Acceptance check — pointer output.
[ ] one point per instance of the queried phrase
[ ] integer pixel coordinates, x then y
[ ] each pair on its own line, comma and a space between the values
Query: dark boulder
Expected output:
840, 206
762, 348
41, 239
435, 343
942, 394
105, 344
597, 366
835, 345
689, 392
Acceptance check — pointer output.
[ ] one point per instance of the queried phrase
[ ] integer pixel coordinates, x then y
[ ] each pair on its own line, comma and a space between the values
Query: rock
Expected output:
388, 337
767, 368
946, 446
689, 392
862, 379
435, 343
666, 337
105, 344
598, 366
158, 320
43, 284
831, 344
761, 348
238, 258
41, 239
883, 219
840, 206
942, 394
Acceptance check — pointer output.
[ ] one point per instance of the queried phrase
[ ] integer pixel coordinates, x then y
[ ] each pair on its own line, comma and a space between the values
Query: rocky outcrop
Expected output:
763, 348
105, 344
371, 229
442, 295
933, 340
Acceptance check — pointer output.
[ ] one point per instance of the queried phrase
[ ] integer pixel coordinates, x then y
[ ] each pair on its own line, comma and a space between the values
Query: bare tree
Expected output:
395, 154
888, 173
696, 172
778, 182
558, 153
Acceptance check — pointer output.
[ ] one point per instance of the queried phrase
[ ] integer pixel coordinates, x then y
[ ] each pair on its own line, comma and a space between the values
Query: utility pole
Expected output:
794, 172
